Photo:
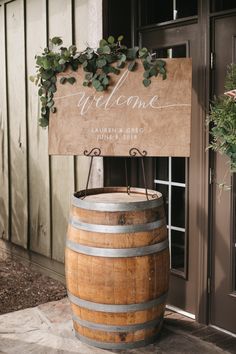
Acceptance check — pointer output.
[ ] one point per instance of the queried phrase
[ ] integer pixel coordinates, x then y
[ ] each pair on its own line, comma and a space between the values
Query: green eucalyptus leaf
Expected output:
53, 109
53, 79
60, 68
101, 62
85, 83
44, 100
43, 122
89, 56
153, 71
52, 88
132, 53
120, 38
164, 76
123, 57
143, 52
88, 76
120, 64
74, 65
72, 49
106, 69
63, 80
47, 74
146, 65
96, 83
146, 74
102, 43
160, 63
105, 81
114, 70
132, 66
162, 71
146, 82
40, 91
100, 88
62, 61
106, 49
100, 51
71, 80
85, 63
43, 110
32, 78
101, 76
111, 39
50, 104
56, 41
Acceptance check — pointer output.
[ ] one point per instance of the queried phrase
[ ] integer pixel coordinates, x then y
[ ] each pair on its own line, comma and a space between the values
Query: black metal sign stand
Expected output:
133, 152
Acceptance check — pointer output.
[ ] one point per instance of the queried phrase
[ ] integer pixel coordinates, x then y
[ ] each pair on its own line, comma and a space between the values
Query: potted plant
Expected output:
223, 119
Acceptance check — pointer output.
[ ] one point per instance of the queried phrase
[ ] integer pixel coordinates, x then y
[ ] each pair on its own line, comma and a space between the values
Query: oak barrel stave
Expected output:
117, 301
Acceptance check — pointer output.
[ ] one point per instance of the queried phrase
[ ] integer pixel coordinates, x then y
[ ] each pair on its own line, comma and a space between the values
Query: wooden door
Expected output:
176, 178
223, 288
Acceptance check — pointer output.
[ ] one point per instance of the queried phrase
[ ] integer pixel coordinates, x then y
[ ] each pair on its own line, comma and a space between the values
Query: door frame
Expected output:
232, 232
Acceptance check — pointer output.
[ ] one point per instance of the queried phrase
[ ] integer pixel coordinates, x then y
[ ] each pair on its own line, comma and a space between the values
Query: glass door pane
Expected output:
171, 182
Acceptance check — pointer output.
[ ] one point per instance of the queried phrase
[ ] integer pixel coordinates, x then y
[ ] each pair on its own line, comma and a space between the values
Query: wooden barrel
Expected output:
117, 266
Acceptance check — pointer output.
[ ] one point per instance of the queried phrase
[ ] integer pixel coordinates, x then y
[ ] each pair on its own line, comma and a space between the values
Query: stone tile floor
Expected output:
47, 329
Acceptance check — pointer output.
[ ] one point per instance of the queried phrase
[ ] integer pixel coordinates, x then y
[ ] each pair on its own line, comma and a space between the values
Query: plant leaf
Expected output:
132, 53
56, 40
96, 83
111, 39
146, 82
53, 109
63, 80
106, 49
132, 66
101, 62
102, 43
71, 80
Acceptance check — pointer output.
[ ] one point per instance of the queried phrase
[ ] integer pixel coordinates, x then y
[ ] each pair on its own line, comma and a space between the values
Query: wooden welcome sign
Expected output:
154, 119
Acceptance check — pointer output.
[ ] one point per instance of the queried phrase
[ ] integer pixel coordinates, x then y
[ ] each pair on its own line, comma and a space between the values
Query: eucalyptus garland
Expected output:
98, 64
223, 118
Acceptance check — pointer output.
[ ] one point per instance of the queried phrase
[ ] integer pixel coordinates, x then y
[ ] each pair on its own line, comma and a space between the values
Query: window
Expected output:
171, 182
154, 11
222, 5
171, 178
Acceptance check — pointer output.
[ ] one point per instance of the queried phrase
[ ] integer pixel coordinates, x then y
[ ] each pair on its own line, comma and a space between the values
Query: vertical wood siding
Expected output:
4, 171
35, 189
16, 93
38, 160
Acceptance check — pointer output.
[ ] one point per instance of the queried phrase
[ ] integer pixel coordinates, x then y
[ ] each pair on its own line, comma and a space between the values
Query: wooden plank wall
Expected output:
35, 189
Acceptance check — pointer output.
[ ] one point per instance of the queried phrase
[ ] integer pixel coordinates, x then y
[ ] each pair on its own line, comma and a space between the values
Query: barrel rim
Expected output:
122, 206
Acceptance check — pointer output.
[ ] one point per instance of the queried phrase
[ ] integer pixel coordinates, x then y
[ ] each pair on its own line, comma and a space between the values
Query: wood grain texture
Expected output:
17, 121
62, 168
120, 281
156, 119
39, 186
4, 156
88, 31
